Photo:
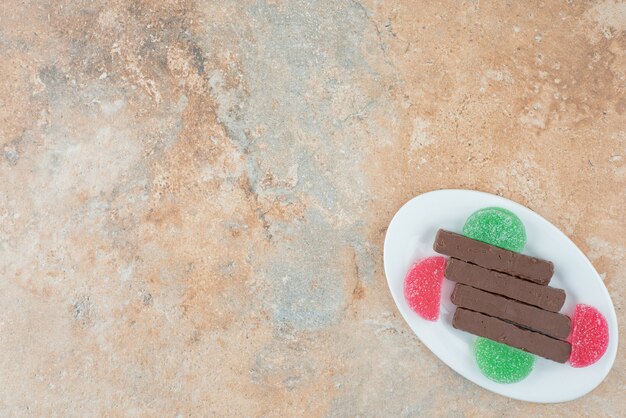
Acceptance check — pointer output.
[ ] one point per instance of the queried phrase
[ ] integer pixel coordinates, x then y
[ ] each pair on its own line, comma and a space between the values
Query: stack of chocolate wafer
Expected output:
504, 296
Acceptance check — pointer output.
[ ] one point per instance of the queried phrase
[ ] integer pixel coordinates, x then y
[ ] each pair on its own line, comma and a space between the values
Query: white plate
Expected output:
410, 237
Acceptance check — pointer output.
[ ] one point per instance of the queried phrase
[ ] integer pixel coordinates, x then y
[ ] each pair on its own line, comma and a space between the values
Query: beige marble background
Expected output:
194, 194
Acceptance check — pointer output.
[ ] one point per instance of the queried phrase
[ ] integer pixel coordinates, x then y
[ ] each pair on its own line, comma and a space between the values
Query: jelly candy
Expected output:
589, 337
496, 226
501, 363
422, 286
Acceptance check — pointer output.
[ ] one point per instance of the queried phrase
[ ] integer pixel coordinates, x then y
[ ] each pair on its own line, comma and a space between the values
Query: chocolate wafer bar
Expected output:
506, 333
545, 297
493, 258
549, 323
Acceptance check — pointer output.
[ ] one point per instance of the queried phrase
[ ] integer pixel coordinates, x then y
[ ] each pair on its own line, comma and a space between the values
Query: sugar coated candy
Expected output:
589, 337
422, 286
496, 226
501, 363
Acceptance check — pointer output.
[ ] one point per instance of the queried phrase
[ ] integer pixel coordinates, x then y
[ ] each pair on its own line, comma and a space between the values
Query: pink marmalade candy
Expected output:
422, 286
589, 337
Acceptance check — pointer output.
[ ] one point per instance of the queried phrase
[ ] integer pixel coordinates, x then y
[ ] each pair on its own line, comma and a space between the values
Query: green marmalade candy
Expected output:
501, 363
496, 226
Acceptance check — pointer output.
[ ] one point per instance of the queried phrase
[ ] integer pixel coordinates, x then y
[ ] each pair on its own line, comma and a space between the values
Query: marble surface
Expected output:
194, 194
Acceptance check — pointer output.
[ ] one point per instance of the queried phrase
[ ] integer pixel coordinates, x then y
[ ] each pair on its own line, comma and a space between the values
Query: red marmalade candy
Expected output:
422, 286
589, 337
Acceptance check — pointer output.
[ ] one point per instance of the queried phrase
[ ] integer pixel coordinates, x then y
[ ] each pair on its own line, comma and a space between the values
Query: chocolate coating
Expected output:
536, 319
545, 297
506, 333
493, 258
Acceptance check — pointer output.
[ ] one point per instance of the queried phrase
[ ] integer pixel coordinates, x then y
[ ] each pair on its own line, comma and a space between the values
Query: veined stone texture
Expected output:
194, 194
